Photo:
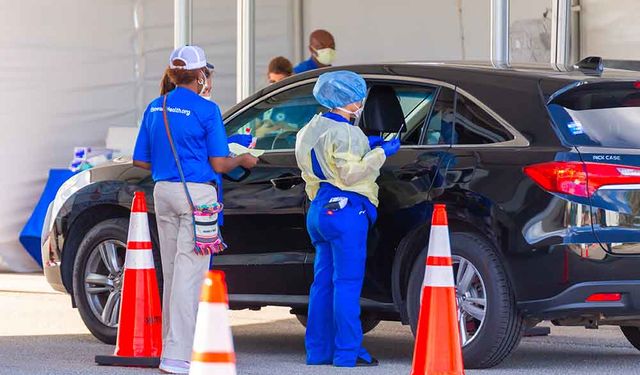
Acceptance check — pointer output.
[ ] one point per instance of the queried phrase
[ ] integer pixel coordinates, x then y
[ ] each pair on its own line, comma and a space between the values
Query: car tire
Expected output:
369, 321
501, 329
87, 290
632, 334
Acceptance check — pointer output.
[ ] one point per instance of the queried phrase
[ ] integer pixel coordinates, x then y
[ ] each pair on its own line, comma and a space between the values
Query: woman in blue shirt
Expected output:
201, 144
166, 86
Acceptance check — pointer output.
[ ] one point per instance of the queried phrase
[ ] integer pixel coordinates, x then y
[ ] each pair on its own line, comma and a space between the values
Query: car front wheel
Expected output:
490, 325
97, 277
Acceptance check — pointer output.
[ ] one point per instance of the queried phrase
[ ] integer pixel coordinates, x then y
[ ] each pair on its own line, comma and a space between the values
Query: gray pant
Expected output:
183, 270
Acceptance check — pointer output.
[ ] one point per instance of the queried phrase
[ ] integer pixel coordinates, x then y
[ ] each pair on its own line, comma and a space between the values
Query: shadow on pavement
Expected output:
567, 358
286, 337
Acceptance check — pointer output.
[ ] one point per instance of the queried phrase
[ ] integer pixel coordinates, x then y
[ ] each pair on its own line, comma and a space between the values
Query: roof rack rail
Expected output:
592, 66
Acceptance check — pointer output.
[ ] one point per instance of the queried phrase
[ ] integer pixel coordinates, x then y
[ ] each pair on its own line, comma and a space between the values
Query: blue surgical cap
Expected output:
339, 88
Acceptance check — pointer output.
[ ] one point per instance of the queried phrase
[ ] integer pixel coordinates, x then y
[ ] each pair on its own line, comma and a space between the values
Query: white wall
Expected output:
67, 73
274, 35
214, 30
153, 43
530, 31
383, 31
610, 29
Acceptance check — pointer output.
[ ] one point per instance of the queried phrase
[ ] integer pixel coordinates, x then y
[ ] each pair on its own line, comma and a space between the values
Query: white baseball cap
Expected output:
193, 57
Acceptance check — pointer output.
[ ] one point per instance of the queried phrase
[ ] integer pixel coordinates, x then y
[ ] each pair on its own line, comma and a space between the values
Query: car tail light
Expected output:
604, 297
571, 177
560, 177
636, 84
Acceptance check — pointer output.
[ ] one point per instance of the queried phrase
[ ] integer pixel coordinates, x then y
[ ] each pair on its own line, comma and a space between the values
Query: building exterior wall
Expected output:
383, 31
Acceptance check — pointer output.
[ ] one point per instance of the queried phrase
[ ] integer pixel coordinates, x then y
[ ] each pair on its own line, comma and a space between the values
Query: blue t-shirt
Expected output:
198, 133
305, 66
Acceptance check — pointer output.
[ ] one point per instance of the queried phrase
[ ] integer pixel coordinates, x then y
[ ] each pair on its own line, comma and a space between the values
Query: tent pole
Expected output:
245, 69
561, 34
182, 22
500, 33
299, 40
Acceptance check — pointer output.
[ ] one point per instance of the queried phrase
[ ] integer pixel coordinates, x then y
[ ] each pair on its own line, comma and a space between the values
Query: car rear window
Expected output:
606, 115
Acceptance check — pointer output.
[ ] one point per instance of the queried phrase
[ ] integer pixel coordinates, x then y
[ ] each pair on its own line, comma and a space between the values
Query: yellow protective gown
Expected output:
344, 155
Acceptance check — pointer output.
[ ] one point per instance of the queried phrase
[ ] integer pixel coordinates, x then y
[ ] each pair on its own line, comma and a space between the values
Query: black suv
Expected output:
539, 169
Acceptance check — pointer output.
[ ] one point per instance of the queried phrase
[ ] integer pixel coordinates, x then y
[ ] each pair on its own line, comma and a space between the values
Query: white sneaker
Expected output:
174, 366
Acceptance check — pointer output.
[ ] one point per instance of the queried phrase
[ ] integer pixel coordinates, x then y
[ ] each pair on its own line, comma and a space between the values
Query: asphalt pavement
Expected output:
41, 334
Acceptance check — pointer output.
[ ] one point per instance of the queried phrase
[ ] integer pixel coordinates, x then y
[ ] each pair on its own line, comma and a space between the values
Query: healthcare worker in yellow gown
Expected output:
340, 169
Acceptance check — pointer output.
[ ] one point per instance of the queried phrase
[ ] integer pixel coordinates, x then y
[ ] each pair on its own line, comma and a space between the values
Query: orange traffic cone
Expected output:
213, 352
437, 349
139, 340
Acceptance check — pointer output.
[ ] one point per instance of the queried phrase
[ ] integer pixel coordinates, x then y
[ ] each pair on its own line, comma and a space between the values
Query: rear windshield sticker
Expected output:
575, 128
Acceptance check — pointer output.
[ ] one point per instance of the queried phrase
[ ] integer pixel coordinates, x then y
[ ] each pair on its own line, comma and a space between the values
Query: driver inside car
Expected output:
273, 128
287, 118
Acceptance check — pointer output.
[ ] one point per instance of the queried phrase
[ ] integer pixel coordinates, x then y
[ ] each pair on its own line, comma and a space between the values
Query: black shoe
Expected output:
360, 362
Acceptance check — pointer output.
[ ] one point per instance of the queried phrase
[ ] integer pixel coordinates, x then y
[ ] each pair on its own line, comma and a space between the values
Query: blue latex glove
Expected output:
241, 139
375, 141
391, 147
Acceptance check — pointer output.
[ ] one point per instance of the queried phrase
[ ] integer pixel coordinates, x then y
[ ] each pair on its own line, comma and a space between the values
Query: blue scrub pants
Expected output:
334, 331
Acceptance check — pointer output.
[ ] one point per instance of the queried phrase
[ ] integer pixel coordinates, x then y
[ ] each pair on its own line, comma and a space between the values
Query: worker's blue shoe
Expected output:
174, 366
360, 362
363, 359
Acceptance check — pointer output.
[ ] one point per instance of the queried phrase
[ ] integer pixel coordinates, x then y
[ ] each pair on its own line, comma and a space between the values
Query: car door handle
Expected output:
286, 183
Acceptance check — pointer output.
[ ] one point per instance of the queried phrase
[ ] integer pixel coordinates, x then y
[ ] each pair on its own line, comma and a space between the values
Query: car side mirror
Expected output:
238, 174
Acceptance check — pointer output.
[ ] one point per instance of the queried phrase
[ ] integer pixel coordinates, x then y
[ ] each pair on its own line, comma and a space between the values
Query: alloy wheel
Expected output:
103, 281
471, 297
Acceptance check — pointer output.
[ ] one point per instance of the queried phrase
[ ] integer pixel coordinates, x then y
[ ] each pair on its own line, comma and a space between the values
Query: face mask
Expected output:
325, 56
356, 114
203, 82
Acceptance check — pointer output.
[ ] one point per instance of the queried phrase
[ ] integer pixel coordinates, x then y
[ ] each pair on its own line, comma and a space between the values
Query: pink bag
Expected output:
206, 231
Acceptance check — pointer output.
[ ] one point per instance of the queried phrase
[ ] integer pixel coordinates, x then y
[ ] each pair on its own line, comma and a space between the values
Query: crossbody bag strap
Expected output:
175, 152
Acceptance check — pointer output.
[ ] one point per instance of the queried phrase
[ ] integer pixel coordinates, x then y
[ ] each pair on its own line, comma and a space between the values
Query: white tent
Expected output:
71, 69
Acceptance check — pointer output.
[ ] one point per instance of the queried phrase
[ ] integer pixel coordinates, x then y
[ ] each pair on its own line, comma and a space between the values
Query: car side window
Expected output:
275, 121
441, 122
475, 126
416, 102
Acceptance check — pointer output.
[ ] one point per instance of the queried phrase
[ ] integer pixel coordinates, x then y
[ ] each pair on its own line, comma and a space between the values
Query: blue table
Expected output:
30, 237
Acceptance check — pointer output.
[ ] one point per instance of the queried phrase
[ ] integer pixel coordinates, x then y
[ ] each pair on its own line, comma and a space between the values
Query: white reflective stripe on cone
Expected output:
439, 241
139, 227
213, 333
438, 276
212, 368
139, 260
